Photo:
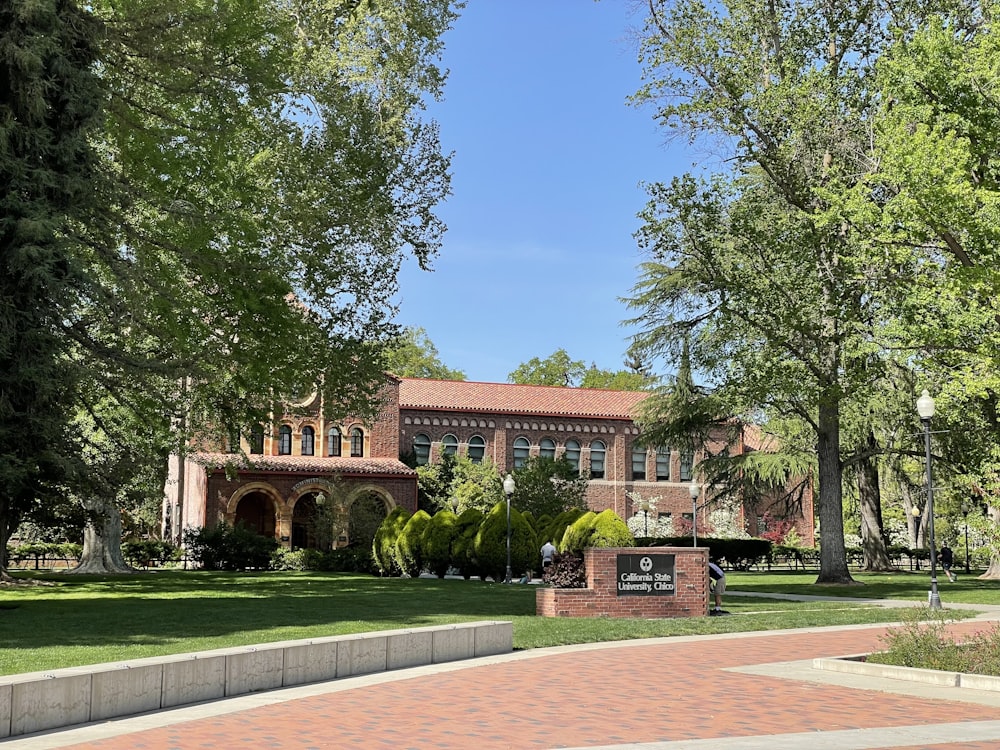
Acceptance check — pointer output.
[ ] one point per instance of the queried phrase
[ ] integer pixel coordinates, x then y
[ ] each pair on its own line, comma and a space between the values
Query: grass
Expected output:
906, 585
86, 620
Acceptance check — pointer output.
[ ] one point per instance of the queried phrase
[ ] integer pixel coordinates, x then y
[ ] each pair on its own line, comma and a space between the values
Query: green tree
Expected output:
546, 486
410, 544
50, 110
556, 369
620, 380
491, 544
438, 540
384, 543
413, 355
259, 172
759, 267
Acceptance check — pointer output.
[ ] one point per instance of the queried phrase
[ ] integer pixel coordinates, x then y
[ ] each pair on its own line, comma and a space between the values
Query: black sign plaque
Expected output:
645, 575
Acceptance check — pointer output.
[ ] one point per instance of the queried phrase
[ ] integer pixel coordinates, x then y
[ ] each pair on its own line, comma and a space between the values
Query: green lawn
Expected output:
86, 620
896, 585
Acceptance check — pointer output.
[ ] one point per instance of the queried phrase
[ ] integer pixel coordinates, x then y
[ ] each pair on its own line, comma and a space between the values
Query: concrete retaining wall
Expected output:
36, 701
855, 664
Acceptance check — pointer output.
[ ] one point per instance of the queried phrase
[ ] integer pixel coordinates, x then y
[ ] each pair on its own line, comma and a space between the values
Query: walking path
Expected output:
744, 691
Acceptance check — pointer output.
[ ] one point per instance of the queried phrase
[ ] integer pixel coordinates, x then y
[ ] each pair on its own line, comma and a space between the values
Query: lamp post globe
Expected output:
694, 490
508, 490
925, 409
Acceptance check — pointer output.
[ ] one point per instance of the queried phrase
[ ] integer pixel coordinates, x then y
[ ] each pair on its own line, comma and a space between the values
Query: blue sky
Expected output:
548, 161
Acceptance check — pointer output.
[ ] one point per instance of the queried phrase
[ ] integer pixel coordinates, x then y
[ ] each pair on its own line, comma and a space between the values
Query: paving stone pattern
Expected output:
665, 692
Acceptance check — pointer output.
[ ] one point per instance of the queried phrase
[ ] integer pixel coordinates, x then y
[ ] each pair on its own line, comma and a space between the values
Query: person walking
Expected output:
717, 584
947, 558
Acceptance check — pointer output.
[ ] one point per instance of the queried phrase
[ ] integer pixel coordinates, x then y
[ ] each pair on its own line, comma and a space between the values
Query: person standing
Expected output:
947, 558
717, 584
548, 552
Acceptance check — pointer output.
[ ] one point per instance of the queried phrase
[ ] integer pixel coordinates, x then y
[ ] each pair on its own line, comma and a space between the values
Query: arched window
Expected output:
597, 450
638, 463
357, 442
422, 448
449, 445
663, 464
284, 440
477, 449
522, 449
333, 446
308, 441
257, 439
547, 448
687, 465
572, 454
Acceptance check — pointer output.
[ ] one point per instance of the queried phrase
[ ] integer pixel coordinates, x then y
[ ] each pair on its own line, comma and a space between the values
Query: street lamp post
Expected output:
645, 518
966, 507
925, 408
694, 490
508, 490
915, 512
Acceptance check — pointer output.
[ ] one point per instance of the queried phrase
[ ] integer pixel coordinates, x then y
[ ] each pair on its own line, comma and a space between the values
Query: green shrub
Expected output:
922, 642
491, 544
287, 559
739, 554
384, 543
610, 531
225, 547
554, 528
144, 552
439, 536
576, 538
464, 545
409, 544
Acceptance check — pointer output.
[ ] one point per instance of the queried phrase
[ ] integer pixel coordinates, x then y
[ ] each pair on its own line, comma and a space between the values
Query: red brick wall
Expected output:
600, 598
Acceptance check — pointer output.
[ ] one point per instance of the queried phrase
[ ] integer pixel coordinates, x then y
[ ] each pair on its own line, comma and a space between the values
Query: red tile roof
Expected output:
306, 464
506, 398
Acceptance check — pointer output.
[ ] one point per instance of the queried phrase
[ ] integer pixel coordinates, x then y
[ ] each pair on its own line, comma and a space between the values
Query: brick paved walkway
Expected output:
675, 694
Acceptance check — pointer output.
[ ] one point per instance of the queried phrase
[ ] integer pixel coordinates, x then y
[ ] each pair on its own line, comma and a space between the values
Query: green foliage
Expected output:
545, 486
352, 559
464, 545
439, 536
409, 544
555, 529
577, 536
610, 531
384, 542
922, 642
413, 355
142, 553
738, 554
491, 544
557, 369
225, 547
567, 571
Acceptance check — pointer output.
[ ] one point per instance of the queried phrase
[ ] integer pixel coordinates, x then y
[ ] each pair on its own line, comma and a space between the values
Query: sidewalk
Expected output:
746, 691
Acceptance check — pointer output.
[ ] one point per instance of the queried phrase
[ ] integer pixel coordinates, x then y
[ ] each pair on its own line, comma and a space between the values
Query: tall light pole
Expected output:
925, 408
508, 490
694, 490
645, 517
915, 512
966, 507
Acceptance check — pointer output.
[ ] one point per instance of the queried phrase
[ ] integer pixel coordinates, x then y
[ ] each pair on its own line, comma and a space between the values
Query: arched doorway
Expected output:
255, 511
366, 514
313, 522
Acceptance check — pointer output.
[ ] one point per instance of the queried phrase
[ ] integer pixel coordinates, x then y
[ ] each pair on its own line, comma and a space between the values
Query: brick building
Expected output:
275, 482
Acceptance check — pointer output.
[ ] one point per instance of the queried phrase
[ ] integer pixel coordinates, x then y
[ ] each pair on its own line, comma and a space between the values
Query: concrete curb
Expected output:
854, 664
36, 701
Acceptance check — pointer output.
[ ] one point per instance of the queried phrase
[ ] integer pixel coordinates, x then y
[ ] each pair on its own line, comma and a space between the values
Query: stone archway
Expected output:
316, 516
367, 508
257, 507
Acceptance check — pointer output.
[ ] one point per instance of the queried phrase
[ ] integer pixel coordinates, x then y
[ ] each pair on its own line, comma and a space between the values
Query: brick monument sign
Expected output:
646, 582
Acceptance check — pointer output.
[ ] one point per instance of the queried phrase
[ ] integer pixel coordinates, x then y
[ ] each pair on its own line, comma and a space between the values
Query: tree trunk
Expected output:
873, 546
832, 553
993, 571
102, 541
